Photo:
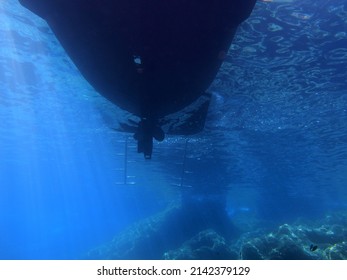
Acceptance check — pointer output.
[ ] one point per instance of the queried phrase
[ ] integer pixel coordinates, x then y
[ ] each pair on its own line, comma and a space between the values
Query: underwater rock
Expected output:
250, 251
336, 251
168, 230
276, 246
326, 239
326, 234
206, 245
143, 240
197, 230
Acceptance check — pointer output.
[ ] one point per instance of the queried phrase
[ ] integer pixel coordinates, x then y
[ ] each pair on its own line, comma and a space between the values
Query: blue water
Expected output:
274, 149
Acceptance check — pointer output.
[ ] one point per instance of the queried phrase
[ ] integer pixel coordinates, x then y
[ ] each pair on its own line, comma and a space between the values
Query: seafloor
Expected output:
193, 235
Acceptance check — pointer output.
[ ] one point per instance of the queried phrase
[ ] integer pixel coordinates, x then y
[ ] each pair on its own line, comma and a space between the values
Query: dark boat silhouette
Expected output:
152, 58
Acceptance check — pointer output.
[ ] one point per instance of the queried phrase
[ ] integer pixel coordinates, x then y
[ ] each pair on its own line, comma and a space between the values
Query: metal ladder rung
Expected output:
127, 183
181, 186
132, 146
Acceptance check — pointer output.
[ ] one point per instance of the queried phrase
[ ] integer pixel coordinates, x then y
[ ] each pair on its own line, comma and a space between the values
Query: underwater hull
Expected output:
151, 58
